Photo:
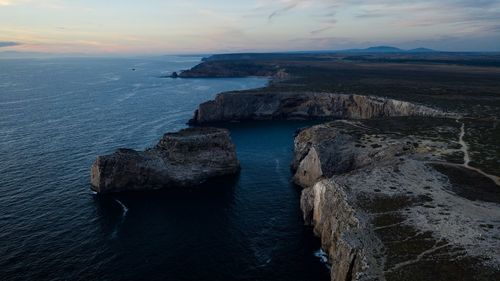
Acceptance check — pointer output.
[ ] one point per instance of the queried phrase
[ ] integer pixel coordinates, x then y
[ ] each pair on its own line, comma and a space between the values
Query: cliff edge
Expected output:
386, 206
240, 106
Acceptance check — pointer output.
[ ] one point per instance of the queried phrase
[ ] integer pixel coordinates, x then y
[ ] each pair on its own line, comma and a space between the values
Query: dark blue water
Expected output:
57, 115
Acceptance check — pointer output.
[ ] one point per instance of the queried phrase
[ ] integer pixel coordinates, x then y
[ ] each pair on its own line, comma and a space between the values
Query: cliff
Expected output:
238, 106
386, 208
186, 158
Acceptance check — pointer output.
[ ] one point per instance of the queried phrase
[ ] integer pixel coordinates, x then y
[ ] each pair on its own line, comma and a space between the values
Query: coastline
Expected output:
263, 105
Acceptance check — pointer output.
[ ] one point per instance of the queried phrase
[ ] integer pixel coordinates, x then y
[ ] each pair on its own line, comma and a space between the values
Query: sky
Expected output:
218, 26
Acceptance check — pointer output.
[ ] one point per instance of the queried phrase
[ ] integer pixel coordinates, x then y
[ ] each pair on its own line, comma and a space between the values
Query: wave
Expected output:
124, 214
108, 77
323, 257
21, 101
124, 208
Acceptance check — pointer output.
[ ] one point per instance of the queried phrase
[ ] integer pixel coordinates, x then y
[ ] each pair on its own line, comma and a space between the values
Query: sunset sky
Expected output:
190, 26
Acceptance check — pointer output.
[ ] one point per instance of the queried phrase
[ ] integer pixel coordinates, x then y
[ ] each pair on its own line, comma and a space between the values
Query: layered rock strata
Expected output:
239, 106
186, 158
386, 210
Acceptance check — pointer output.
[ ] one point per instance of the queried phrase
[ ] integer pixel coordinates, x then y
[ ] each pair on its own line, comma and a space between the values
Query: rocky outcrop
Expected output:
239, 106
384, 209
186, 158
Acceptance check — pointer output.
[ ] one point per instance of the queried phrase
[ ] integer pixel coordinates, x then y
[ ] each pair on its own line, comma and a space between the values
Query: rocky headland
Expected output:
388, 206
241, 106
390, 198
186, 158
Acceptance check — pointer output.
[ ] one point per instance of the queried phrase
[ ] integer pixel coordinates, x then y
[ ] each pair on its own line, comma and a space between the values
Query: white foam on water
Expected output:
124, 208
126, 97
124, 214
21, 101
109, 77
323, 257
202, 88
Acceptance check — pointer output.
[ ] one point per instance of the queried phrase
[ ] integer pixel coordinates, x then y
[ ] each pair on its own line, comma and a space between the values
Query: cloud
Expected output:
283, 10
55, 4
286, 5
321, 30
8, 44
251, 24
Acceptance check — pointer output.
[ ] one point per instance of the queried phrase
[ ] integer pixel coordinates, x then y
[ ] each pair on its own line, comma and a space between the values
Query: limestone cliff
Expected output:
386, 210
185, 158
302, 105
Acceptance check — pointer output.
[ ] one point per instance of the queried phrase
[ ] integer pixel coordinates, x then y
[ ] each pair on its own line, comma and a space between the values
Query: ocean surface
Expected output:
57, 115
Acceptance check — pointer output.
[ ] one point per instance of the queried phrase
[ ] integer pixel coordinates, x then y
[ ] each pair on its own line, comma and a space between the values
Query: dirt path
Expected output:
465, 149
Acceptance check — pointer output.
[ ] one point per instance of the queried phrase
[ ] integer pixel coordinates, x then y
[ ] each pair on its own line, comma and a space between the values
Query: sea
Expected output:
57, 115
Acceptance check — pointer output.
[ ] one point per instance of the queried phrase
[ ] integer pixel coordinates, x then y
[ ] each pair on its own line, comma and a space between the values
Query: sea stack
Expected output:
185, 158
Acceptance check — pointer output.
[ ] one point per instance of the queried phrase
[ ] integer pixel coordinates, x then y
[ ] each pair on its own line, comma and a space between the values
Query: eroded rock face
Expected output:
384, 212
335, 148
188, 157
302, 105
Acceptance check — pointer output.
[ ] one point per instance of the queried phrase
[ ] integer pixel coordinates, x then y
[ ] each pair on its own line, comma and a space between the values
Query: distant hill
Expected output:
386, 49
422, 50
379, 49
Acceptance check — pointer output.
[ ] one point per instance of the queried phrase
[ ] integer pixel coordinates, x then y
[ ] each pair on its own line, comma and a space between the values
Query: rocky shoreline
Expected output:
186, 158
242, 106
386, 205
384, 211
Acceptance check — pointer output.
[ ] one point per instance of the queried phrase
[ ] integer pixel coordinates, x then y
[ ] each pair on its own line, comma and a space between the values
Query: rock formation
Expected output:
236, 106
188, 157
385, 206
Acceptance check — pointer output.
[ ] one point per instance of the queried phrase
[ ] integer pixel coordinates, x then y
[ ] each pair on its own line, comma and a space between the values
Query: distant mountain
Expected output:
386, 49
421, 50
383, 49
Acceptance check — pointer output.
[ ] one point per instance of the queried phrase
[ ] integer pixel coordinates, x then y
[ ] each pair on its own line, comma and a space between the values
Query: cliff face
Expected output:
186, 158
300, 105
321, 152
384, 212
